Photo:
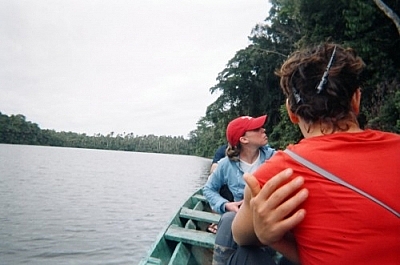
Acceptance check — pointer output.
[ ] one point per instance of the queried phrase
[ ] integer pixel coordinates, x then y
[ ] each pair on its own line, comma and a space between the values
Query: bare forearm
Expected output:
244, 235
272, 211
242, 228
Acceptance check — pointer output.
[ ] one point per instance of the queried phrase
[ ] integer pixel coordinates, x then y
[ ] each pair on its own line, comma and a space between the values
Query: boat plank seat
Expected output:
199, 215
199, 197
190, 236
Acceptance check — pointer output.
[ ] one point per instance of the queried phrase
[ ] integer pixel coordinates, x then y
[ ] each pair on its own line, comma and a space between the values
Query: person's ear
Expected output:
293, 118
356, 101
243, 139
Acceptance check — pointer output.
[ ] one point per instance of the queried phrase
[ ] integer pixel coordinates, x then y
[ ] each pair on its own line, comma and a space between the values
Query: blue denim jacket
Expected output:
229, 172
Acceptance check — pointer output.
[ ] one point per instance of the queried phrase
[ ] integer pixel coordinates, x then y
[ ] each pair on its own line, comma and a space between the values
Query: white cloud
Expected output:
124, 66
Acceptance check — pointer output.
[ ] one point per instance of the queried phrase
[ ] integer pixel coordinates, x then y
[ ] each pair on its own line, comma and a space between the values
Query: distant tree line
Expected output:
248, 85
15, 129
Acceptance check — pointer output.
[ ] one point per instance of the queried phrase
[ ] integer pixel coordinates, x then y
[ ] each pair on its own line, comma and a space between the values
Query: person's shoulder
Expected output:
267, 152
220, 153
267, 149
225, 160
381, 139
224, 165
368, 136
222, 147
382, 134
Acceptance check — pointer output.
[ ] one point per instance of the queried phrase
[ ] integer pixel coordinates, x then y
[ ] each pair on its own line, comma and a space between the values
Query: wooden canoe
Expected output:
185, 240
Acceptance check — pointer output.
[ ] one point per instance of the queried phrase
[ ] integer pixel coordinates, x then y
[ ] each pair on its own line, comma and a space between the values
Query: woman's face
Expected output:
257, 136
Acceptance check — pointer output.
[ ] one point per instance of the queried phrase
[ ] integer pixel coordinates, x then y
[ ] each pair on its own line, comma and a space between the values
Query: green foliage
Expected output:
248, 86
389, 116
16, 130
375, 38
285, 132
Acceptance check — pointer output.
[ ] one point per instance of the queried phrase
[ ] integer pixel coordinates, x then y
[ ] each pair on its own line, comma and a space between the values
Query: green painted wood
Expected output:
190, 225
199, 197
199, 215
199, 206
180, 256
190, 236
185, 232
162, 250
153, 261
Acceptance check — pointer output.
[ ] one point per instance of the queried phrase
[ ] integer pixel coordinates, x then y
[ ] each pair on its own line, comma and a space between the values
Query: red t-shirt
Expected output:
342, 226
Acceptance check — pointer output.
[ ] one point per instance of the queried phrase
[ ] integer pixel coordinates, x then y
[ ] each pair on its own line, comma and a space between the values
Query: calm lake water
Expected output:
82, 206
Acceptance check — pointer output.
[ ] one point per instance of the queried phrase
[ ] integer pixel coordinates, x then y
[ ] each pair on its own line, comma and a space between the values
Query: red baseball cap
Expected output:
239, 126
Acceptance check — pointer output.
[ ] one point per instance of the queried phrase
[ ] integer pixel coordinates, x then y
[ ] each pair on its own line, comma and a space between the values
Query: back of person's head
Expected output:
319, 83
237, 128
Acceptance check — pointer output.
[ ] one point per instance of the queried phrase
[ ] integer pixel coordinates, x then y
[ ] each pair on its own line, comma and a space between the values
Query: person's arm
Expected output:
213, 167
264, 216
219, 154
211, 191
242, 226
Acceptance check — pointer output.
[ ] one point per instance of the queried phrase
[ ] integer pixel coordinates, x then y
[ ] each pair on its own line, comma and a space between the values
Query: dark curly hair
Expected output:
319, 83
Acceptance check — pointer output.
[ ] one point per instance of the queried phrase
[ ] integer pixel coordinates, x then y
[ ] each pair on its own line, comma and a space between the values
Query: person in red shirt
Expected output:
311, 219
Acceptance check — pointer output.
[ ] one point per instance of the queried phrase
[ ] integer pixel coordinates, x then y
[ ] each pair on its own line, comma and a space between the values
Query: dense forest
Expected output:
248, 85
15, 129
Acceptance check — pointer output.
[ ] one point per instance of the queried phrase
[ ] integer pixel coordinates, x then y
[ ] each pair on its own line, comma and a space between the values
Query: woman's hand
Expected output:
233, 206
273, 211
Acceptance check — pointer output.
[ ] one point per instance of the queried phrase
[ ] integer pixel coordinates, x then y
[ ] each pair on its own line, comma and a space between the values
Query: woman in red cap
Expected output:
247, 150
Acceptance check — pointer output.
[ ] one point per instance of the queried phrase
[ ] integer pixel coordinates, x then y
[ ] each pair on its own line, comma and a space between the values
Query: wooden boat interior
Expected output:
186, 240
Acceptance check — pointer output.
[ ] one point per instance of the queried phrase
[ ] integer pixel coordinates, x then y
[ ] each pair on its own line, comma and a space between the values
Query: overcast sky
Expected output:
144, 67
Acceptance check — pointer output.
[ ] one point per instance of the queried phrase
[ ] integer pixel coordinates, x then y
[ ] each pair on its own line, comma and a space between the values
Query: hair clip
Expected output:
296, 95
295, 92
324, 78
